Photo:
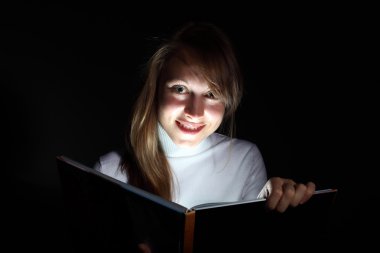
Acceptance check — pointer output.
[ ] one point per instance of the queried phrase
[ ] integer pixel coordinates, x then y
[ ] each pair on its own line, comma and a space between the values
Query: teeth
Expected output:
190, 127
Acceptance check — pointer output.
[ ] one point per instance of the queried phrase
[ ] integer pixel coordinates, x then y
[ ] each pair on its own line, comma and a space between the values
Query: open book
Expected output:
106, 214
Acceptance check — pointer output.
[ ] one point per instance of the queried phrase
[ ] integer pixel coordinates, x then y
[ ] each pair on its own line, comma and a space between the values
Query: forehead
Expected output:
183, 65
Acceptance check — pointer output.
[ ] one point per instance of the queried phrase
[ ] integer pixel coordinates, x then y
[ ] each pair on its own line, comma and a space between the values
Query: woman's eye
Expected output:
211, 95
179, 89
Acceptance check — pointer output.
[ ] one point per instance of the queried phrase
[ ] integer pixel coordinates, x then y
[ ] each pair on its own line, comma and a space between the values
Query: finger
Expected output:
286, 198
310, 190
300, 191
275, 193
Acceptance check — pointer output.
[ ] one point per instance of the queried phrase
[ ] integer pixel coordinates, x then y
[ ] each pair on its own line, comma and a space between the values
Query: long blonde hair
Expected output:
146, 164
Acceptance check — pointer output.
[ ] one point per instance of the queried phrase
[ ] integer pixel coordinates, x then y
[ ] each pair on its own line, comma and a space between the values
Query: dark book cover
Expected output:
104, 214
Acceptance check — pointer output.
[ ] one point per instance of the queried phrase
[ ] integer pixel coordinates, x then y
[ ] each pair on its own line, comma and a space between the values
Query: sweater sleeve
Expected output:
110, 165
257, 176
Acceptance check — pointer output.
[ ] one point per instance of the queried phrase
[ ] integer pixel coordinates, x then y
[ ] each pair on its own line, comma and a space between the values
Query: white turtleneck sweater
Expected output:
219, 169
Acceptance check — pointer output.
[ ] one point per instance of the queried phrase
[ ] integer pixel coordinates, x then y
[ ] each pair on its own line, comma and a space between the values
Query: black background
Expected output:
69, 72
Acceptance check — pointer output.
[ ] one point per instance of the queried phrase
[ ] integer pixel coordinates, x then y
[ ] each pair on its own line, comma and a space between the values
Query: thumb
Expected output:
265, 191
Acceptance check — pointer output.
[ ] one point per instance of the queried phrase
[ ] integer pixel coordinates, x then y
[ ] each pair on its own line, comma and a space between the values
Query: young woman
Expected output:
180, 144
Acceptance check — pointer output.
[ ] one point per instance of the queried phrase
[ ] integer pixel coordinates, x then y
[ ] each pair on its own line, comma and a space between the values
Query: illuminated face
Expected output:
188, 110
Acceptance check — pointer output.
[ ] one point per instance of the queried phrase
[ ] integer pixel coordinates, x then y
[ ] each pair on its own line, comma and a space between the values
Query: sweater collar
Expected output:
172, 150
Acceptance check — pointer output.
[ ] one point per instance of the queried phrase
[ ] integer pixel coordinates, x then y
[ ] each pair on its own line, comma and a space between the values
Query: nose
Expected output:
195, 106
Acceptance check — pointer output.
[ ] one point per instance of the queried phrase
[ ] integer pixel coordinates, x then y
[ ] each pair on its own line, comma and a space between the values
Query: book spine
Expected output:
188, 235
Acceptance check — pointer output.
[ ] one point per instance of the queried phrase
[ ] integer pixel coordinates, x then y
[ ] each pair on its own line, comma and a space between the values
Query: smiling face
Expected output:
188, 109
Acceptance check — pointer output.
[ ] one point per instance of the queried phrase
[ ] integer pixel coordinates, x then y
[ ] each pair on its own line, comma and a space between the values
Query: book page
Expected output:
221, 204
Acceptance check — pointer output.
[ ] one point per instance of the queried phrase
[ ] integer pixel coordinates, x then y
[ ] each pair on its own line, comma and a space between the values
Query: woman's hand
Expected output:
282, 192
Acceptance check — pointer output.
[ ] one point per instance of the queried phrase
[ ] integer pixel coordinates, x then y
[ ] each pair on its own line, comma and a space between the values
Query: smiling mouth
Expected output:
189, 127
